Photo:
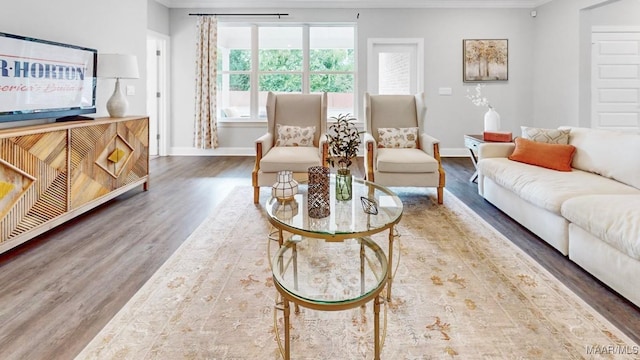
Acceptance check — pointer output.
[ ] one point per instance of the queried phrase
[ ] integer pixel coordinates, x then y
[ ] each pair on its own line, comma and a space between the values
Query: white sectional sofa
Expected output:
591, 213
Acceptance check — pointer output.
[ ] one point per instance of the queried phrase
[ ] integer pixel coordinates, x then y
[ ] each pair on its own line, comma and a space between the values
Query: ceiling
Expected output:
350, 4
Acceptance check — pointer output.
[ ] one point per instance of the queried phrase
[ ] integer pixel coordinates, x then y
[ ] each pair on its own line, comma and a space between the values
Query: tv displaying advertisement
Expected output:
45, 79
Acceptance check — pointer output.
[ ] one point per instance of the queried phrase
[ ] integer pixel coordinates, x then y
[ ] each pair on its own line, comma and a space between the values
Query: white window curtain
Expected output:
206, 123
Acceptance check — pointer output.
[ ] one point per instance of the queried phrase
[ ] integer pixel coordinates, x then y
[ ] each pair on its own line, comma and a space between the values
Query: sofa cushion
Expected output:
547, 188
613, 218
405, 161
609, 153
551, 156
549, 136
296, 159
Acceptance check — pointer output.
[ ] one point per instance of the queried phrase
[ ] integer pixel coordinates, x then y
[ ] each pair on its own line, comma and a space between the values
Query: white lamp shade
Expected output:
119, 66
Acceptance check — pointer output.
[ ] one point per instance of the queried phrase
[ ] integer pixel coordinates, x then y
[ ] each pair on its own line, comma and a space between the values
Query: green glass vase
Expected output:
344, 189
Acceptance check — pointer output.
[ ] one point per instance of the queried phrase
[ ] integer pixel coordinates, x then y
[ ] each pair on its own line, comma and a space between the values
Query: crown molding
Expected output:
350, 4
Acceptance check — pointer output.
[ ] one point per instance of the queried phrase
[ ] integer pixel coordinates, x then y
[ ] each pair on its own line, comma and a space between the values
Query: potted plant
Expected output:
344, 143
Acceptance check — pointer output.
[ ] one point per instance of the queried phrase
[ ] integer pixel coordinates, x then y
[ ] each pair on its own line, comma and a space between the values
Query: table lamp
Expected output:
117, 66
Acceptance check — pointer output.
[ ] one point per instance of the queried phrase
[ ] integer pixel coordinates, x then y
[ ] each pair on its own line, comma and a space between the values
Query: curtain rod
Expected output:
278, 15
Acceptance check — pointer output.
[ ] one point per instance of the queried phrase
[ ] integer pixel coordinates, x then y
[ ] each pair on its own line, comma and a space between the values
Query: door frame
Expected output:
163, 45
417, 42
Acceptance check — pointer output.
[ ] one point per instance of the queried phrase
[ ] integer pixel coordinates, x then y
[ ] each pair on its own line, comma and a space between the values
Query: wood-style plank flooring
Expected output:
58, 290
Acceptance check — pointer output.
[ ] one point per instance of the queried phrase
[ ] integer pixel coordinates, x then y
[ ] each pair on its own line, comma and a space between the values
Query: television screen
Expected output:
45, 79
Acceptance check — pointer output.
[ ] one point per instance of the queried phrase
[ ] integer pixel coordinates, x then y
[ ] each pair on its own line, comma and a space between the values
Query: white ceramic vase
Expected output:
285, 187
491, 120
117, 103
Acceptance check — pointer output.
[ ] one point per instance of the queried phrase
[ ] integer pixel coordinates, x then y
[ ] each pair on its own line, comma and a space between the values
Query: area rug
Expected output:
461, 291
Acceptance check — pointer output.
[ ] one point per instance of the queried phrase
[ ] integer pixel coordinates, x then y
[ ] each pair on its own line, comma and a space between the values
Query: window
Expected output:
256, 59
280, 62
332, 65
234, 72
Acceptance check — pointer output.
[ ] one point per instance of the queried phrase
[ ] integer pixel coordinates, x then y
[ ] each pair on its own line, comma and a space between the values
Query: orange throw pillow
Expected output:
550, 156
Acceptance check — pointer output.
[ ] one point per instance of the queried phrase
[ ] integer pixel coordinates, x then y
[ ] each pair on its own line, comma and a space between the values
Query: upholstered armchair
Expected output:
295, 138
397, 151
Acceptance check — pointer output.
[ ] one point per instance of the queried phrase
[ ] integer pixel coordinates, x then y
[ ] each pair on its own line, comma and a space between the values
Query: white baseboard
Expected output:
454, 152
246, 151
229, 151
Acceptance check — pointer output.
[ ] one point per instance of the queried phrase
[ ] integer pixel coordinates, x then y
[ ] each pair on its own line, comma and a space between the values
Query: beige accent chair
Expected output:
401, 167
293, 110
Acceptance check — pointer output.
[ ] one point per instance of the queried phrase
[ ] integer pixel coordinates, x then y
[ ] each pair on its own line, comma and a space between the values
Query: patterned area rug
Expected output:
461, 291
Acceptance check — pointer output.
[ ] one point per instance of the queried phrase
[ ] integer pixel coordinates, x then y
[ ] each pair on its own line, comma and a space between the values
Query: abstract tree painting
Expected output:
485, 60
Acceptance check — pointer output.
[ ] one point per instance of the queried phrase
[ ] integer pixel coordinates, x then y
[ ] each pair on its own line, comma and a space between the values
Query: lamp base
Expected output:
117, 104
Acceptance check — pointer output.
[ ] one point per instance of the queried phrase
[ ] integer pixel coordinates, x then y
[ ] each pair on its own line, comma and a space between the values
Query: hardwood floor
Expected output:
58, 290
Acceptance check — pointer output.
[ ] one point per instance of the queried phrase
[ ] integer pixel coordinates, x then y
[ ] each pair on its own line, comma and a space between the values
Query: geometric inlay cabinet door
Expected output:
106, 157
53, 172
115, 156
32, 181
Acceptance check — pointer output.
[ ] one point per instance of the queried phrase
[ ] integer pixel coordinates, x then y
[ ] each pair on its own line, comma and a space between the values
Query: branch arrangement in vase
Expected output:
344, 141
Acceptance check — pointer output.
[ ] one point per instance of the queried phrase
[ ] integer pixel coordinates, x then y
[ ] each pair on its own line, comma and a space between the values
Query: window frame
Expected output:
255, 73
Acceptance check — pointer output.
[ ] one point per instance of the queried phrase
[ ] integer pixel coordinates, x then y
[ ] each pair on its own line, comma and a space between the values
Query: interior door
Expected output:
158, 92
395, 66
615, 79
152, 95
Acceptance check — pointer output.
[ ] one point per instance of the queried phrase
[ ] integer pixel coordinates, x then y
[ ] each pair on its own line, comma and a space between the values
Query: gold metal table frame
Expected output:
296, 280
347, 220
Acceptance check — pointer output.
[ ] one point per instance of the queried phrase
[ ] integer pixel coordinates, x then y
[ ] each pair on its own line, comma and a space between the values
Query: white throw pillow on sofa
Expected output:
549, 136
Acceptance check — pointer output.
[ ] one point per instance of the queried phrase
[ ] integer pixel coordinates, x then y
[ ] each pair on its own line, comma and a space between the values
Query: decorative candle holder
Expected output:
285, 187
318, 200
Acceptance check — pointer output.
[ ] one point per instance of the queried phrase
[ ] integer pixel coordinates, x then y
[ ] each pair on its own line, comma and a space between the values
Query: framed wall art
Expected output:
485, 60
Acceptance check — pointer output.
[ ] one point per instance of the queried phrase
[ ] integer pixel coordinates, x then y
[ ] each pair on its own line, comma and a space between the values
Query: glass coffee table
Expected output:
347, 219
342, 237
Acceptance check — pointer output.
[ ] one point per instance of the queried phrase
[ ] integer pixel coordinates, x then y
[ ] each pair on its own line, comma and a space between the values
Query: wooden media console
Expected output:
54, 172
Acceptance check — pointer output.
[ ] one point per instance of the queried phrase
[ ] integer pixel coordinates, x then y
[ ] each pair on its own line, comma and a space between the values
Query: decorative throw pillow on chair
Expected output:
549, 136
398, 138
295, 135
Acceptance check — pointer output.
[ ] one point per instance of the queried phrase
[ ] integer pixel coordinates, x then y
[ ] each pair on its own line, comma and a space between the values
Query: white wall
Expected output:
561, 85
114, 26
618, 13
448, 117
157, 17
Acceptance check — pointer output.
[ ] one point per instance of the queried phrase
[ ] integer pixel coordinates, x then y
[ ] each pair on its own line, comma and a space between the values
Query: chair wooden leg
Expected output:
440, 194
256, 194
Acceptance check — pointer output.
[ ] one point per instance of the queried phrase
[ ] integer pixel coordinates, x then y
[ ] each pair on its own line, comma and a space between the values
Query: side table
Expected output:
472, 142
